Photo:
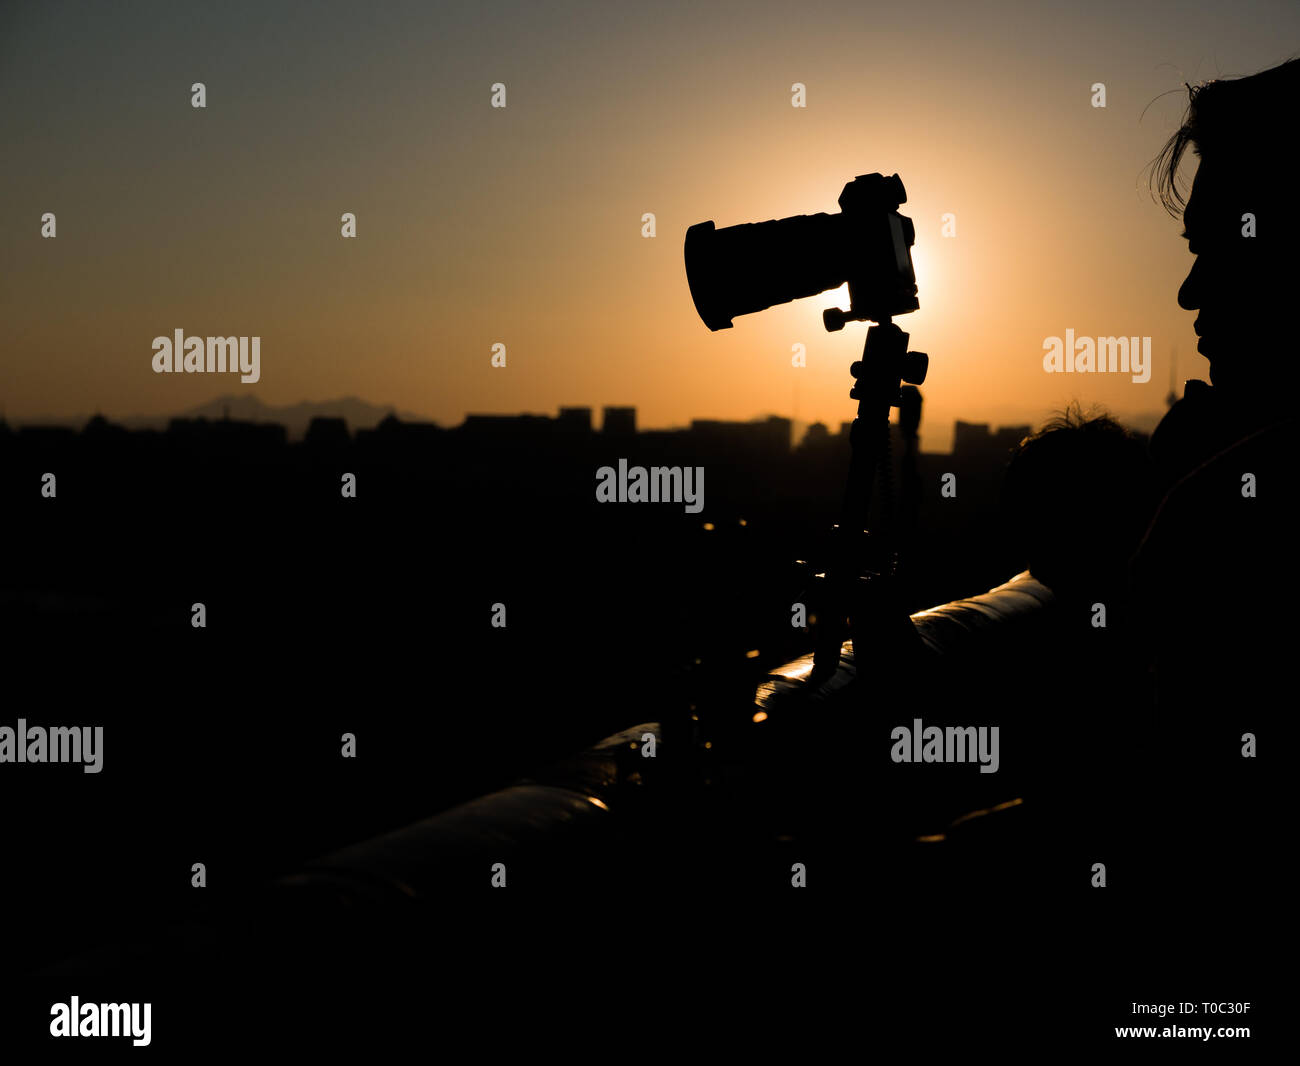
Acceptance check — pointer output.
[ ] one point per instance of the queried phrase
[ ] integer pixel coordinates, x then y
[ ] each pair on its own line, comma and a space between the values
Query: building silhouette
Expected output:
619, 421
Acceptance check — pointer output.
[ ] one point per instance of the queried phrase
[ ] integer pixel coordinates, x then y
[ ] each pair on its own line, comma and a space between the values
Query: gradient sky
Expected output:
523, 225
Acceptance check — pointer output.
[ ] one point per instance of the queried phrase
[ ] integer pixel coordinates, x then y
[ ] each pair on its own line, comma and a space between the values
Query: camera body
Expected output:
750, 267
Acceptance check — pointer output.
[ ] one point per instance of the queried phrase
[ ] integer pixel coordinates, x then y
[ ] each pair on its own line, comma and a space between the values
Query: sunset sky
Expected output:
522, 225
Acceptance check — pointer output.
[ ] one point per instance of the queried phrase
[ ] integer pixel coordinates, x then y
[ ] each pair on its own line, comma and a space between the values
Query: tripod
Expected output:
856, 600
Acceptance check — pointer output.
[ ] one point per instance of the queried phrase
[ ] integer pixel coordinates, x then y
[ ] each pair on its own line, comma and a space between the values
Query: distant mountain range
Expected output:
244, 408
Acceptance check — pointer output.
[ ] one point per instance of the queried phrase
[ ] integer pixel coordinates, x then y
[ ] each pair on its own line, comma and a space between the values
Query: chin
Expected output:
1223, 380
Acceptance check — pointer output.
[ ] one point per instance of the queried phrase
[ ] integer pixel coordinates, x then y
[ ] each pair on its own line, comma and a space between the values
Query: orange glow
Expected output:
546, 254
988, 810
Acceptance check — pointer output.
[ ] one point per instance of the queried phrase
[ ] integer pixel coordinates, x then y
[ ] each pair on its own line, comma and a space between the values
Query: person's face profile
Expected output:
1237, 282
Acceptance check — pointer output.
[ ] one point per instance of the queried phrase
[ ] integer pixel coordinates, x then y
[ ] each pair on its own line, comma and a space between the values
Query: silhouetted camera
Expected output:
742, 269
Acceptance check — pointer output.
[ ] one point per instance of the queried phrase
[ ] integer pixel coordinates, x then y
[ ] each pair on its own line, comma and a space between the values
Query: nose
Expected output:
1189, 293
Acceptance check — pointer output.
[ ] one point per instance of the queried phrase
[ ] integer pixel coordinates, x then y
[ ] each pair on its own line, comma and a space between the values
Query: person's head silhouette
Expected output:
1075, 500
1241, 224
